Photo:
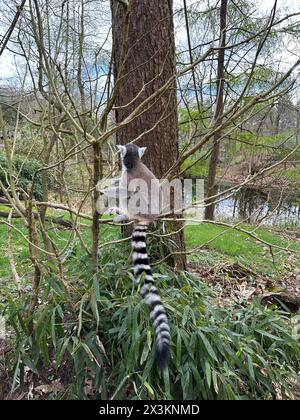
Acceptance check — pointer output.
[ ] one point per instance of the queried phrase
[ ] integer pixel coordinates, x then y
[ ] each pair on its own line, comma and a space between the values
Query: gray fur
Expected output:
133, 168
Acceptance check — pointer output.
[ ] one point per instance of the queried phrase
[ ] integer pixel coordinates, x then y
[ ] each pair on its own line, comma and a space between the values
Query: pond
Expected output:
257, 206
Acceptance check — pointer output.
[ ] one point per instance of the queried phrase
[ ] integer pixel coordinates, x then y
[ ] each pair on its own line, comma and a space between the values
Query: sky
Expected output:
7, 60
262, 4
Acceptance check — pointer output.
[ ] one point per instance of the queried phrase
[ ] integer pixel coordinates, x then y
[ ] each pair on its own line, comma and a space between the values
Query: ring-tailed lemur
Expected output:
133, 170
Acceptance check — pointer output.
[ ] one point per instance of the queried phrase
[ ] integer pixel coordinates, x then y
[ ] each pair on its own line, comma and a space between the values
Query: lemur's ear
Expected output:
122, 150
142, 150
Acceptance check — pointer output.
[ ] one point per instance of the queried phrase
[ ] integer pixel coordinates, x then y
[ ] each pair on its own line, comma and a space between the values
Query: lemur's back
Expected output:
149, 194
133, 171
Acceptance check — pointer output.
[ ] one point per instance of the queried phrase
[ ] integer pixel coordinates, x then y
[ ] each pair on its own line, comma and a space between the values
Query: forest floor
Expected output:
239, 266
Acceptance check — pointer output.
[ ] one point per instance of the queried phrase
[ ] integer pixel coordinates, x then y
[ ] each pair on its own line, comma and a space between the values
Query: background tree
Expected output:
218, 115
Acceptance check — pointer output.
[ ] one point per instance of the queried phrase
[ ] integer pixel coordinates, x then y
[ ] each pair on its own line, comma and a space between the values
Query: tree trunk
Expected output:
218, 118
150, 62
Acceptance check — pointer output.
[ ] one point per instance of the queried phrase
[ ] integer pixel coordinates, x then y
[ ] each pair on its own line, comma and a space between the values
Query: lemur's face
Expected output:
131, 154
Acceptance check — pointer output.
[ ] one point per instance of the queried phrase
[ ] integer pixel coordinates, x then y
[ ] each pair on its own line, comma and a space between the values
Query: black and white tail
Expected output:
150, 293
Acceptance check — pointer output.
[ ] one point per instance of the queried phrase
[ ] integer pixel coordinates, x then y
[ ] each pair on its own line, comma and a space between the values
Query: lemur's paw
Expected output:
120, 218
113, 211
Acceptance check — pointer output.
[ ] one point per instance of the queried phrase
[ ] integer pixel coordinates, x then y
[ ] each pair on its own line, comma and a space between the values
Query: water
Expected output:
256, 206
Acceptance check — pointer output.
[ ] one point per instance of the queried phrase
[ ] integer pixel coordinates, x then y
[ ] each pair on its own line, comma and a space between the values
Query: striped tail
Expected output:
150, 293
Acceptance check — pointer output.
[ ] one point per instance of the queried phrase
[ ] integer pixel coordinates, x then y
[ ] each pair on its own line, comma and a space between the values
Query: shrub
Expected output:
24, 170
238, 352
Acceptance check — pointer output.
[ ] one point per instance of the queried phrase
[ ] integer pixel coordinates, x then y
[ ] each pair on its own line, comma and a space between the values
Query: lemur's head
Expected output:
131, 154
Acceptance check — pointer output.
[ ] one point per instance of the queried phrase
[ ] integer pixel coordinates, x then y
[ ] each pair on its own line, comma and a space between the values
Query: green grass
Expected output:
292, 175
63, 238
228, 244
218, 244
18, 245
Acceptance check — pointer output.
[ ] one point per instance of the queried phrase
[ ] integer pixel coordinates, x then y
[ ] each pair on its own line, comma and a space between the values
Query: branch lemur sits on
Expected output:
139, 186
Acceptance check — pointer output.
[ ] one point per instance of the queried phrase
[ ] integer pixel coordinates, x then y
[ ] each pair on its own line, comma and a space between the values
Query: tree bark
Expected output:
149, 63
212, 170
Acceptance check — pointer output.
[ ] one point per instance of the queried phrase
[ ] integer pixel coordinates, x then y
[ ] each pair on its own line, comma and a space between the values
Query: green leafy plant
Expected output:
236, 352
24, 170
